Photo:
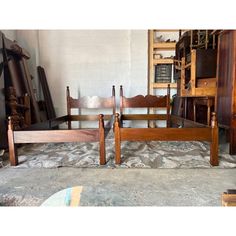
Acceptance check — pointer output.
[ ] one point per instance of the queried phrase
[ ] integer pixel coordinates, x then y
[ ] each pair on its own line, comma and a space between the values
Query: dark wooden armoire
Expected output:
3, 131
226, 85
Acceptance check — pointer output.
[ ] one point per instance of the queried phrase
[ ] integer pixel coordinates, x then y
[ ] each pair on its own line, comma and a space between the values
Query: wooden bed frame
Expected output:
45, 132
189, 131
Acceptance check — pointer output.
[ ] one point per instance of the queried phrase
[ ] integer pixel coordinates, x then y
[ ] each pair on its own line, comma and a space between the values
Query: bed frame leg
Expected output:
102, 140
117, 140
214, 161
12, 149
232, 141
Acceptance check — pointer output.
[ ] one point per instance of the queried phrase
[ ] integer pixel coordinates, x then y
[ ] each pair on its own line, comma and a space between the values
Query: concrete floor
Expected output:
118, 187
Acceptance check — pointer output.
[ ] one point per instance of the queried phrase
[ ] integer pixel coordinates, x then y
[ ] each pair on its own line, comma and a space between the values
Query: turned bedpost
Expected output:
12, 150
102, 140
68, 106
215, 141
114, 99
168, 106
121, 99
117, 139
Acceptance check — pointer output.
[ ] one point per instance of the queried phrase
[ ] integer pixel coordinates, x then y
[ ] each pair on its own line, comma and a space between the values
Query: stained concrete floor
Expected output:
118, 187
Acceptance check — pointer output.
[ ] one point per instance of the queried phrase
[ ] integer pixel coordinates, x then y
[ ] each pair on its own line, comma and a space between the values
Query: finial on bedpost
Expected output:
214, 141
121, 99
114, 99
117, 120
213, 120
117, 116
68, 104
168, 106
101, 120
121, 90
168, 89
67, 91
10, 126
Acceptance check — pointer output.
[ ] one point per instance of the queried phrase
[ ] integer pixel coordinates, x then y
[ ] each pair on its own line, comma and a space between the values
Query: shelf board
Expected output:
164, 85
166, 30
164, 46
163, 61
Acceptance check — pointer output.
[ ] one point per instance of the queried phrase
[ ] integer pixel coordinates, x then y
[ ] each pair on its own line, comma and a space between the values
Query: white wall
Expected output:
10, 34
91, 61
28, 39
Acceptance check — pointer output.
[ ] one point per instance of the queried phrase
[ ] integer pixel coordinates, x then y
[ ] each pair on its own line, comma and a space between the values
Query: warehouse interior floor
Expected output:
118, 187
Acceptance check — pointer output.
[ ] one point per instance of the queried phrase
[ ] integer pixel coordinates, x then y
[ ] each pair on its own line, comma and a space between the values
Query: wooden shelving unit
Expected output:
164, 46
163, 61
152, 62
163, 85
153, 48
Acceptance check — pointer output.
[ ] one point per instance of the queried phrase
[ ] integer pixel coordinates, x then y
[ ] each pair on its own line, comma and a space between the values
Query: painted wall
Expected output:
28, 39
11, 34
91, 61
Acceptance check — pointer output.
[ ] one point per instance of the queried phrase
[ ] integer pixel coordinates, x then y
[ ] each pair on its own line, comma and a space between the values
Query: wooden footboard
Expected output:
55, 136
209, 134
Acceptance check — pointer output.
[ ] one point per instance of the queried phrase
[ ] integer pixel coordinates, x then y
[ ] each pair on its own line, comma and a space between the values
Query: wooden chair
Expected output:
209, 102
43, 132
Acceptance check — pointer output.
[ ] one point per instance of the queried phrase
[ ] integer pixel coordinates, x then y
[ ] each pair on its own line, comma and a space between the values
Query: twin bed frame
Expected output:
48, 132
177, 128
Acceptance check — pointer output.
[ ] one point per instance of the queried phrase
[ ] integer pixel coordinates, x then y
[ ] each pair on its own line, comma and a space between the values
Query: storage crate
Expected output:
163, 73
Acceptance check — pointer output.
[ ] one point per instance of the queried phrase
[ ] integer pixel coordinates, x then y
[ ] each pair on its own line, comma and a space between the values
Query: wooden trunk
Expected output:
226, 90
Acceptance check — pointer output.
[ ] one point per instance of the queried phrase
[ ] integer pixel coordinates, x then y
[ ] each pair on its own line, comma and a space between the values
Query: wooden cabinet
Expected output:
195, 70
226, 89
3, 128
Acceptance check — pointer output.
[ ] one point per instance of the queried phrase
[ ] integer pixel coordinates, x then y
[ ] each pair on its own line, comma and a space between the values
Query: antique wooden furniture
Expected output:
19, 109
44, 132
18, 75
192, 39
14, 72
226, 89
195, 71
186, 131
229, 198
198, 73
3, 129
209, 102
